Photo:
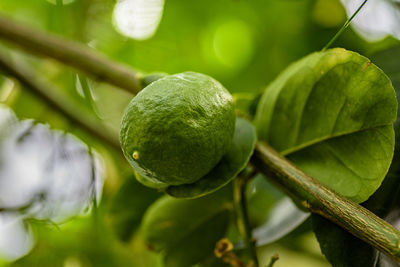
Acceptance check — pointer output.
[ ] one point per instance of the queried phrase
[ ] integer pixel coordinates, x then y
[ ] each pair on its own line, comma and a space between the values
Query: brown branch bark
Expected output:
71, 53
49, 93
321, 200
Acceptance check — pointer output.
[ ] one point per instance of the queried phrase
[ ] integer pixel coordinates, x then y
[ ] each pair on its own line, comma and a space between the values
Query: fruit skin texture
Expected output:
178, 128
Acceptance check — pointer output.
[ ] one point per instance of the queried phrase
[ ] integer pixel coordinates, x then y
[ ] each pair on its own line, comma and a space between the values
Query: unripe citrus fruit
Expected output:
178, 128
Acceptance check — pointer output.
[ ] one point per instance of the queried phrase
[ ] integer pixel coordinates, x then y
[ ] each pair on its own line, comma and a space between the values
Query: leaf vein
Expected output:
292, 150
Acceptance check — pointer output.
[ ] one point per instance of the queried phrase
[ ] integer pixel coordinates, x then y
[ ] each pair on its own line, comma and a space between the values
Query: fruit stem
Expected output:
243, 224
345, 25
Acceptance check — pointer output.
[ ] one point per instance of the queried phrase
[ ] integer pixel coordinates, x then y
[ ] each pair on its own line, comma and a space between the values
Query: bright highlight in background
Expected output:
377, 19
16, 239
138, 19
233, 43
328, 14
46, 175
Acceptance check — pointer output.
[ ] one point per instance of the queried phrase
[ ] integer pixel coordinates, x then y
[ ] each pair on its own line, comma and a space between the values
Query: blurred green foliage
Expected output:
243, 44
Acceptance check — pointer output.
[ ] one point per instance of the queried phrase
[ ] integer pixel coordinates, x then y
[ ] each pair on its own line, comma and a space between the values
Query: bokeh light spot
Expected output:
328, 14
16, 239
233, 43
138, 19
377, 19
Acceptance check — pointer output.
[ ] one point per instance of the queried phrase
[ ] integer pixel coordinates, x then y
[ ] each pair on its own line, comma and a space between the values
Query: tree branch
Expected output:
46, 92
319, 199
71, 53
315, 197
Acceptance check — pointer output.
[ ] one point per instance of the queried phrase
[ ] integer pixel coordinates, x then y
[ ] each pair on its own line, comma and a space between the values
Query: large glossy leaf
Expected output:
244, 140
388, 61
186, 230
342, 248
332, 114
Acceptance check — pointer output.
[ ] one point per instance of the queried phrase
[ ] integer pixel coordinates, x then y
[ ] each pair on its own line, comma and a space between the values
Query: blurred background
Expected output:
67, 199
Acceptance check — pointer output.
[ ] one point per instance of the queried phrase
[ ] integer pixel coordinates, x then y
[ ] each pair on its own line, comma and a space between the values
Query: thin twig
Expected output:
240, 202
50, 95
71, 53
274, 258
345, 25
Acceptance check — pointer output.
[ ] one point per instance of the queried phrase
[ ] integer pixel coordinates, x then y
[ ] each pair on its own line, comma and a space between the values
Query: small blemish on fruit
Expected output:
150, 247
366, 65
135, 155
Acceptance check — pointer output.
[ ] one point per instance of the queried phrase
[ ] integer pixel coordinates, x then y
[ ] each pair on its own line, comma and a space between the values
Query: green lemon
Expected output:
178, 128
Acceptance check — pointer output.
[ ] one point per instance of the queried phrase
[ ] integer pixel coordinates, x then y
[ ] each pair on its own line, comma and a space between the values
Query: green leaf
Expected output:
202, 242
213, 261
388, 61
186, 230
152, 183
342, 248
77, 243
262, 196
246, 103
385, 200
128, 207
230, 165
332, 114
